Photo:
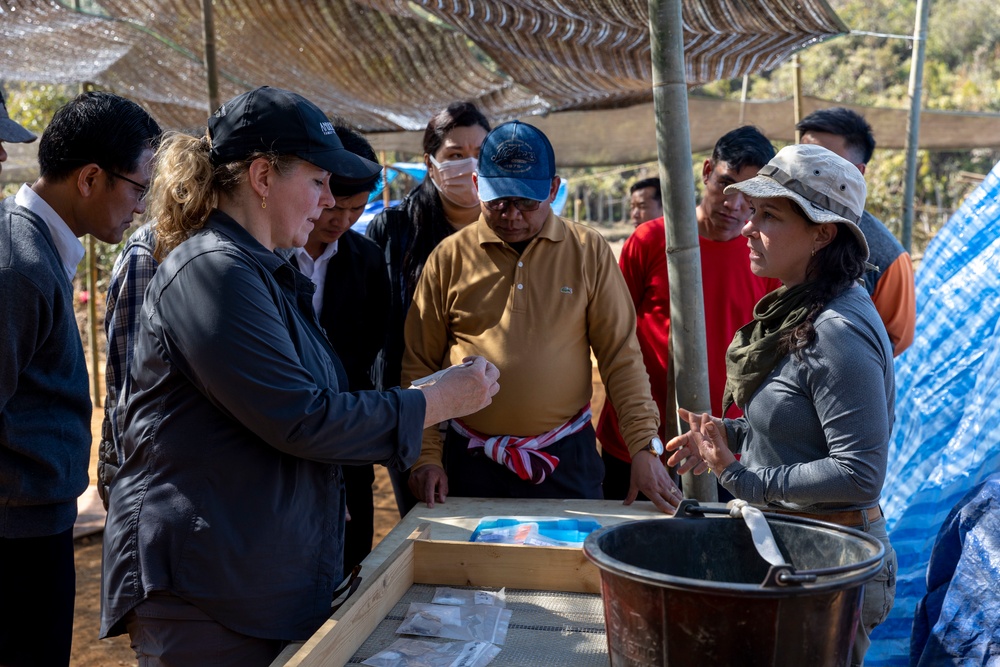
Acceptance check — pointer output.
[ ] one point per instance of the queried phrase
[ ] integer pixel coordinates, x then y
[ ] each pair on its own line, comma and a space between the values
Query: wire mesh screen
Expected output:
546, 628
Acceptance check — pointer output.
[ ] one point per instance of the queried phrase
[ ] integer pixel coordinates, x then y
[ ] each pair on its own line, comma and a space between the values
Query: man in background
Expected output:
534, 294
94, 163
730, 289
889, 281
352, 304
645, 201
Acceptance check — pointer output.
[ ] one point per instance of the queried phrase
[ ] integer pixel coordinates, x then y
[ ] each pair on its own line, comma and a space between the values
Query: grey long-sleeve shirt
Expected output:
815, 435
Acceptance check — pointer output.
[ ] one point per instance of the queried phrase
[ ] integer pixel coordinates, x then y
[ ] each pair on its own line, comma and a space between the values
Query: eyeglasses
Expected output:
519, 203
143, 189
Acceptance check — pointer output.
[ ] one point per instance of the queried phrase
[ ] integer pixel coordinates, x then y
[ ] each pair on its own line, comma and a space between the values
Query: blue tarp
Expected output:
958, 621
946, 439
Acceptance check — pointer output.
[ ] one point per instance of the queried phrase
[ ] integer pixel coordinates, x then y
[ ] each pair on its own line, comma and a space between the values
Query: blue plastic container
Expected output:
540, 530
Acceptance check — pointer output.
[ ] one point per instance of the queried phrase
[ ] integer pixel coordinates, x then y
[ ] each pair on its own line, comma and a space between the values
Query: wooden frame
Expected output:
418, 560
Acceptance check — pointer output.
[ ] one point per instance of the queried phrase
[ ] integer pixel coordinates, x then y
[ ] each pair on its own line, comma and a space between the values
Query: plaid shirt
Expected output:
132, 272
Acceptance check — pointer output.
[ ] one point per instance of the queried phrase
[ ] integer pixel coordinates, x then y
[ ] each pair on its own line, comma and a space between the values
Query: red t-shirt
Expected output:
731, 290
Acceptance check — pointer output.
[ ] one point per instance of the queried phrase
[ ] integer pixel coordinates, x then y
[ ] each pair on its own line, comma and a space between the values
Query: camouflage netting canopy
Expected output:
388, 65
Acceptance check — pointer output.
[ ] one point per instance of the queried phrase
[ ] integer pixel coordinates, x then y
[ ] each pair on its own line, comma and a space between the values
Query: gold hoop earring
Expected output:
263, 204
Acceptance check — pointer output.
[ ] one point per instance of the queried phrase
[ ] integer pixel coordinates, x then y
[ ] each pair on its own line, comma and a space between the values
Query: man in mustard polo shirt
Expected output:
534, 294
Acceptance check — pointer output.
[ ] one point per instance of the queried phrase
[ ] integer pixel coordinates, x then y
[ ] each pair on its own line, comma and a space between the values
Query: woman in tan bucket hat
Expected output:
813, 371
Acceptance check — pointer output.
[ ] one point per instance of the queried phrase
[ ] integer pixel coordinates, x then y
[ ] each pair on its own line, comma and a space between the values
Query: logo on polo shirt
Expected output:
515, 156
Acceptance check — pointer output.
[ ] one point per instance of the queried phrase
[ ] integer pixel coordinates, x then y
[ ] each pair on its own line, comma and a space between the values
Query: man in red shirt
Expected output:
645, 201
731, 290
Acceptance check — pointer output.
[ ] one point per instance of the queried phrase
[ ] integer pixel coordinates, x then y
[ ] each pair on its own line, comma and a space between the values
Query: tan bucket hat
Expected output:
826, 186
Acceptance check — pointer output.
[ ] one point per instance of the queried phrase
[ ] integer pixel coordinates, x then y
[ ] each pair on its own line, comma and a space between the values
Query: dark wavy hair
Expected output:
831, 270
423, 205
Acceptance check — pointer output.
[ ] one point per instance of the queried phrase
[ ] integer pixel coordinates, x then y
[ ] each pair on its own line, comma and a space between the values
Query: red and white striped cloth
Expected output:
524, 455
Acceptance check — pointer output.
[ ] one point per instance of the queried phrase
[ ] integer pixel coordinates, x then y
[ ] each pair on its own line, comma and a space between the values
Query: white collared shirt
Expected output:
70, 249
315, 270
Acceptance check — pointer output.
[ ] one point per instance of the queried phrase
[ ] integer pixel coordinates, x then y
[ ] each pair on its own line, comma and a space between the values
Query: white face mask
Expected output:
456, 181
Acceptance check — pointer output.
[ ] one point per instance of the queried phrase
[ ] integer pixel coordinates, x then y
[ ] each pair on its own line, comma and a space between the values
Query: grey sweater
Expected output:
45, 407
815, 435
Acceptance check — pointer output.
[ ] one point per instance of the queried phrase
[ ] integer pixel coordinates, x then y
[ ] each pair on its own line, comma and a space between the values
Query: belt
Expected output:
847, 518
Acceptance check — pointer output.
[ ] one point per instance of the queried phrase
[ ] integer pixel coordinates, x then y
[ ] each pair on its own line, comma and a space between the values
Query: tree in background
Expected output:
962, 73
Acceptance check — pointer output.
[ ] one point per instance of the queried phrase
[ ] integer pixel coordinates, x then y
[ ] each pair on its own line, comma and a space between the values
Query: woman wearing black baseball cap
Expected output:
225, 526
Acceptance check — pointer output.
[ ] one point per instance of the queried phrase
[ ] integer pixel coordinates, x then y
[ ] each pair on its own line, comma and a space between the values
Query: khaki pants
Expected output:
880, 593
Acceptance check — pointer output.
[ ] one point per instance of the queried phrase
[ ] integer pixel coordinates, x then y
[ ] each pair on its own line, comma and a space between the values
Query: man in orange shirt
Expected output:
731, 290
890, 281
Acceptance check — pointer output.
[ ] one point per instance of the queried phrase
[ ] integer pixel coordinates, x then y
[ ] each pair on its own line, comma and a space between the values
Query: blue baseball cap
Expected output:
516, 160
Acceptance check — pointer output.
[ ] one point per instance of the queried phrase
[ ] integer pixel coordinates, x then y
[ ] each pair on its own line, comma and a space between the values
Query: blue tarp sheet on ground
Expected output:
946, 439
958, 621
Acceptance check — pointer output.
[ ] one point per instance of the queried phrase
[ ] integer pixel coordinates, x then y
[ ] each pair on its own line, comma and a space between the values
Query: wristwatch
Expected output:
655, 446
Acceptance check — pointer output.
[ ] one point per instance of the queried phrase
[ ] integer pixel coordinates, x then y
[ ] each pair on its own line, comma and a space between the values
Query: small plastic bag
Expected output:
507, 534
476, 622
464, 597
419, 653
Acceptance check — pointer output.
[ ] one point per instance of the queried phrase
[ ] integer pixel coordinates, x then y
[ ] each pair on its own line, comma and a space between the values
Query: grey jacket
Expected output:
230, 495
815, 435
45, 407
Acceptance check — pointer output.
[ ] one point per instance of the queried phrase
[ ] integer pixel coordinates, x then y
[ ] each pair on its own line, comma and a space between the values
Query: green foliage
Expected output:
33, 105
961, 73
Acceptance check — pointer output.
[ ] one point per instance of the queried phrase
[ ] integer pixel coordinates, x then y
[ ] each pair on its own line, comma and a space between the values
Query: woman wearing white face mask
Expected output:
444, 202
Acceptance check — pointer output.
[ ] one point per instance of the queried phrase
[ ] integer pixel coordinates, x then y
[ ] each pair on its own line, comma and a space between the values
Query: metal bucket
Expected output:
693, 591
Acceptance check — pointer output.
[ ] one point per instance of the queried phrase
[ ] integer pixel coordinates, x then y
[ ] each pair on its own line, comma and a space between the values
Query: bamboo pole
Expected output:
211, 68
95, 378
91, 284
913, 121
797, 97
673, 140
743, 99
385, 181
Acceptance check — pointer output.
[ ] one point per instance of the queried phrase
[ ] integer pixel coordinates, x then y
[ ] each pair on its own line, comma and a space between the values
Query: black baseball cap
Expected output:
283, 122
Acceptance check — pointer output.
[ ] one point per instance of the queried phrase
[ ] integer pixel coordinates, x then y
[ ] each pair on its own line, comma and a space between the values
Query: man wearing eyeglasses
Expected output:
534, 294
94, 166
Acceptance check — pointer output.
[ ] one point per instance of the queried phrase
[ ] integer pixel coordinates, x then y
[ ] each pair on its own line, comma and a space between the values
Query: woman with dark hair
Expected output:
813, 371
444, 202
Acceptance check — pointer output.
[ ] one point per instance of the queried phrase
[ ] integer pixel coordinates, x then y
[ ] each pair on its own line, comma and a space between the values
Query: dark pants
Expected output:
166, 631
360, 529
37, 594
617, 476
472, 474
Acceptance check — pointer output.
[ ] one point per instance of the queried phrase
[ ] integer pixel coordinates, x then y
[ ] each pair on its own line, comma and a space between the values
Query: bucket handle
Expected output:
786, 575
777, 575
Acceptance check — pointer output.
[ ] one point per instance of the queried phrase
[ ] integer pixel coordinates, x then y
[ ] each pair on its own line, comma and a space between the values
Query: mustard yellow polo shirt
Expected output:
536, 316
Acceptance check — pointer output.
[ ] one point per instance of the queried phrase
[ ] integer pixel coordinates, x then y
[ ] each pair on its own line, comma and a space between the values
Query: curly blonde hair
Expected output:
186, 186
